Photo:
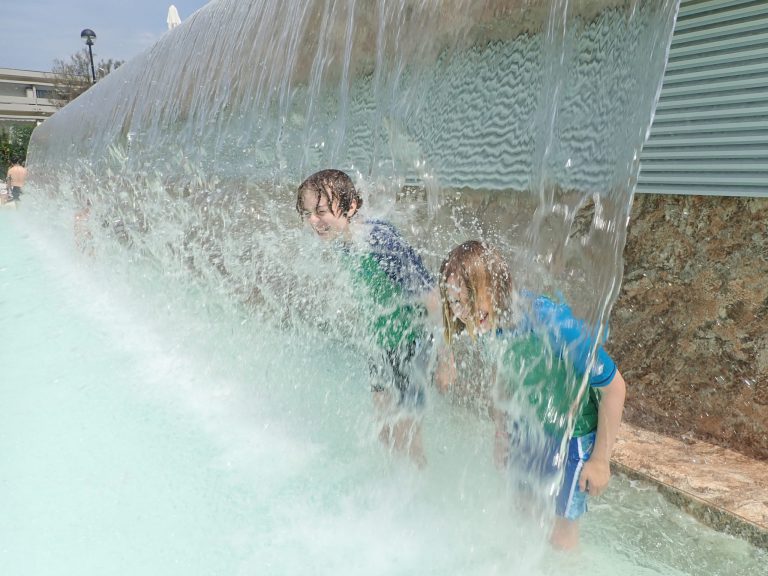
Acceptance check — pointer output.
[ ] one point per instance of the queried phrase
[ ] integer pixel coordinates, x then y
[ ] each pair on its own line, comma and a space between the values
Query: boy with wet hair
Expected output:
394, 284
333, 186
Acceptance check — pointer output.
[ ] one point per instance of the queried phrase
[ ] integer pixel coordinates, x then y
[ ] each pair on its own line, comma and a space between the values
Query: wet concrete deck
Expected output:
720, 487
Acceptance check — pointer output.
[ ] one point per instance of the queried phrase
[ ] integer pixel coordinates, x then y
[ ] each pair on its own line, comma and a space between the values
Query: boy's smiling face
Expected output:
326, 220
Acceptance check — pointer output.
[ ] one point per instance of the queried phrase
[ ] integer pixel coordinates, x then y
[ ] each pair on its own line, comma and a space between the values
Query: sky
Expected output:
37, 32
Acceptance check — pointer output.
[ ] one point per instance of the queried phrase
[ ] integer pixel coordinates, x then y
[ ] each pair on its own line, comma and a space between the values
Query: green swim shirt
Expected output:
534, 376
392, 278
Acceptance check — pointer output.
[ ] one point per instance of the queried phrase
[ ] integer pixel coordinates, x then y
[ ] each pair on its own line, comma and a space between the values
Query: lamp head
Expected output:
88, 35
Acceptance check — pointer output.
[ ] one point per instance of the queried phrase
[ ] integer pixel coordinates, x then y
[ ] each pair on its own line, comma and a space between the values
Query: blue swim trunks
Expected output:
542, 464
407, 369
571, 501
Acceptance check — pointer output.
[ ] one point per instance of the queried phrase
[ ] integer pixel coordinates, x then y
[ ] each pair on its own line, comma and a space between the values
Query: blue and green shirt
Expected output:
393, 279
541, 363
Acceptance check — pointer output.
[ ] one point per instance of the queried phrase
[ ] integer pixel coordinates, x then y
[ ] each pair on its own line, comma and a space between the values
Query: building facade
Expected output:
710, 132
26, 96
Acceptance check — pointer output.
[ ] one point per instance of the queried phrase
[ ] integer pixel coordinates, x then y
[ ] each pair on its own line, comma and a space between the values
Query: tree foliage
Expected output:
13, 146
74, 76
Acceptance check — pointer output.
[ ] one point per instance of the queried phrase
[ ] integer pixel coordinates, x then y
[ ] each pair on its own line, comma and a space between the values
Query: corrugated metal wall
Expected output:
710, 133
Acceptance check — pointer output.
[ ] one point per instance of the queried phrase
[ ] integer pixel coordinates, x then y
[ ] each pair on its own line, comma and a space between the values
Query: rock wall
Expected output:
690, 328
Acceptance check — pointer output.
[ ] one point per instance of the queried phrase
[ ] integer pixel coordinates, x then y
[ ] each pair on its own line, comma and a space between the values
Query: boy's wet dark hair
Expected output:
334, 186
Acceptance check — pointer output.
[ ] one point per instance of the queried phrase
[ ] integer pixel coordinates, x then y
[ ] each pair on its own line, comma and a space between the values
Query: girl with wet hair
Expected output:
538, 355
482, 272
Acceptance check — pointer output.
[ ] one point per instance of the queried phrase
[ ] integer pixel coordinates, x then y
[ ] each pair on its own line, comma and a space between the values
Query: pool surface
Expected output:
146, 428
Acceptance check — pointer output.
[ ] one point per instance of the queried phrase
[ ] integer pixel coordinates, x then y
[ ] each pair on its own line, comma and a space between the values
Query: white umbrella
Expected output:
173, 17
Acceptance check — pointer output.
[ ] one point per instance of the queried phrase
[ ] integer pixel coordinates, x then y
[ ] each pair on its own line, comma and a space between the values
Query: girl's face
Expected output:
476, 314
327, 221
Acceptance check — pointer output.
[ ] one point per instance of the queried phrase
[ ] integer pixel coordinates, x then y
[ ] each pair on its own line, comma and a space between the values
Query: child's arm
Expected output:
501, 438
434, 308
597, 470
499, 417
445, 374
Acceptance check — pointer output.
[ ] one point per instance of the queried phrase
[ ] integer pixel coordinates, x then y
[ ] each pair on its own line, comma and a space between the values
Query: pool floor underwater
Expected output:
720, 487
130, 447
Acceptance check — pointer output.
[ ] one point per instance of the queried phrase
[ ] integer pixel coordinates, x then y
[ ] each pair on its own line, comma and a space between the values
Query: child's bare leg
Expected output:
382, 404
403, 434
407, 439
565, 534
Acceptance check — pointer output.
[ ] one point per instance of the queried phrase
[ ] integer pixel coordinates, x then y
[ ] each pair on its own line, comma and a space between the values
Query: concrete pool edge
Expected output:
719, 487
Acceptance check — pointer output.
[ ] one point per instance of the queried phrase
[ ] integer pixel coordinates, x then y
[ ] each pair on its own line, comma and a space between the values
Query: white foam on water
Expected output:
146, 430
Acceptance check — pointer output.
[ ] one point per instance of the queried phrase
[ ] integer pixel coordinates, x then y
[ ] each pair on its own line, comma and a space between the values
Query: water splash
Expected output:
212, 128
518, 122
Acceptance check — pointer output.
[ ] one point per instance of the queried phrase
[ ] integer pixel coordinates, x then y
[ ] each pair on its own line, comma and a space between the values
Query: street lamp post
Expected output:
89, 36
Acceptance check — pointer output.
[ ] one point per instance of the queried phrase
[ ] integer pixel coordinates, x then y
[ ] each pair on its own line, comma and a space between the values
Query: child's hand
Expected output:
594, 476
445, 375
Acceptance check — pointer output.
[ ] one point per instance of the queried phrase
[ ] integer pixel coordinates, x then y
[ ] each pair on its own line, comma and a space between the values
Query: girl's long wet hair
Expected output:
485, 274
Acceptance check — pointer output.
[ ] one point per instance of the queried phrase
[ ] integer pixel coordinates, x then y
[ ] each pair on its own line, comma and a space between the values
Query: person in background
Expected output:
16, 179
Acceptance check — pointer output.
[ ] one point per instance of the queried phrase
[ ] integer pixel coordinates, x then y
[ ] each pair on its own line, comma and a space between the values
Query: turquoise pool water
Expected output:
146, 428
